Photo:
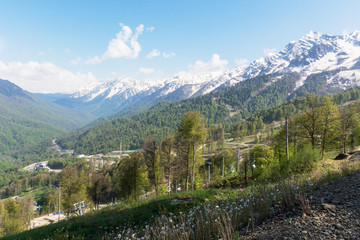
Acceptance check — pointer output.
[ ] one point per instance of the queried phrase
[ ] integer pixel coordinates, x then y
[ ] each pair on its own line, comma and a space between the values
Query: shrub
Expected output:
304, 160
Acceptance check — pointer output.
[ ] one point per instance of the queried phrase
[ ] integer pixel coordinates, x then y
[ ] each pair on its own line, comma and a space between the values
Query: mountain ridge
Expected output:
313, 53
26, 119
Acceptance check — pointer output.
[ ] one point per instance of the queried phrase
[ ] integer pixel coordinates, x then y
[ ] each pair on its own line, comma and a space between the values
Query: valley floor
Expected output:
335, 208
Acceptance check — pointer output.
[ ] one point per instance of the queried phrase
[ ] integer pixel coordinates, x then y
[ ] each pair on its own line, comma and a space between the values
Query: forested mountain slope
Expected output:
226, 106
26, 119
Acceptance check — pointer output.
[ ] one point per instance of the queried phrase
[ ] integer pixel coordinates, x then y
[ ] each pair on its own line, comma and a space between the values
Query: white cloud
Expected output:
214, 64
156, 53
268, 51
146, 70
241, 62
150, 29
125, 45
41, 53
44, 77
153, 53
76, 61
168, 55
67, 50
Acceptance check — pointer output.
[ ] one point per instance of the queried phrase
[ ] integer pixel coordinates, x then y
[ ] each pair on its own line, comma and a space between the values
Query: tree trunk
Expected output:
193, 168
187, 171
245, 166
323, 143
155, 177
287, 139
169, 188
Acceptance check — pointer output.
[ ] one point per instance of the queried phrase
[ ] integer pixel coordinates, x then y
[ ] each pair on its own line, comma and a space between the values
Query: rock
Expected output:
328, 207
341, 156
338, 226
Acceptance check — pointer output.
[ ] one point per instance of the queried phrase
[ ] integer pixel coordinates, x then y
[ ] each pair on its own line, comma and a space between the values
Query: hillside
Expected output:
331, 207
259, 211
227, 106
26, 119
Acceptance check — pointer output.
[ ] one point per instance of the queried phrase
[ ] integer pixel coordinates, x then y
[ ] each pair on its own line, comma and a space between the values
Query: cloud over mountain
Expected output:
214, 64
35, 76
124, 45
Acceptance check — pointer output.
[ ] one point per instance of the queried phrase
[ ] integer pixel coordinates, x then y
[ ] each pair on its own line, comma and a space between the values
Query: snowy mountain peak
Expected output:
313, 53
313, 35
355, 34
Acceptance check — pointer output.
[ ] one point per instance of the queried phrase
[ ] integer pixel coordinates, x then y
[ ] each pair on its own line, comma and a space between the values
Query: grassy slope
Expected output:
95, 225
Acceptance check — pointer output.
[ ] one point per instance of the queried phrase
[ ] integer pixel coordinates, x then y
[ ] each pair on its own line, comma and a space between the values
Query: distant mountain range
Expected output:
26, 119
314, 53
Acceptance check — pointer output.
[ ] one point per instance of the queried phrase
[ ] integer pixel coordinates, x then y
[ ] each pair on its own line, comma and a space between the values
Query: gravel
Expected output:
335, 214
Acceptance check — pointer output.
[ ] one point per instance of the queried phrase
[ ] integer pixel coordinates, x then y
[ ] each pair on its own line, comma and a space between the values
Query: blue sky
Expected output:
57, 46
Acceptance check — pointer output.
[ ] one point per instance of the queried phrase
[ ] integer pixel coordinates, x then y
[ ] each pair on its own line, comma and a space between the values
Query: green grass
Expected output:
331, 154
137, 214
94, 224
36, 194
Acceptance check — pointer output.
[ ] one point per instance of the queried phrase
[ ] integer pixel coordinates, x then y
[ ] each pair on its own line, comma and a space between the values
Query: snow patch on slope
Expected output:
345, 79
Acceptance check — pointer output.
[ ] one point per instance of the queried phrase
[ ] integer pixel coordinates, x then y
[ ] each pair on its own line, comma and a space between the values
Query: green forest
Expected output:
242, 101
177, 162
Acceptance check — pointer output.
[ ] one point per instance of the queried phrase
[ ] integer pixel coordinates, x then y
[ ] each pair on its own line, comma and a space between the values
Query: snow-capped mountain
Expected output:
312, 54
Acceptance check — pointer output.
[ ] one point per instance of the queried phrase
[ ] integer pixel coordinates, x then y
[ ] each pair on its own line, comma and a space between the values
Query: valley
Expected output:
231, 154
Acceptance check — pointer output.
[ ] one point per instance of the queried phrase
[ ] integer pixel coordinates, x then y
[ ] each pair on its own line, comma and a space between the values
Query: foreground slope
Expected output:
335, 214
259, 211
26, 119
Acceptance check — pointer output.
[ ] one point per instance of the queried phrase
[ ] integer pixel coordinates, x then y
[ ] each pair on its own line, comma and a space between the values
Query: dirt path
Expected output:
335, 210
46, 219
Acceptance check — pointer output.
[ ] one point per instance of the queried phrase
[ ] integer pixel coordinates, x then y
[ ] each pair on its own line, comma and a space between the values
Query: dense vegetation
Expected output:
175, 137
176, 163
242, 101
163, 118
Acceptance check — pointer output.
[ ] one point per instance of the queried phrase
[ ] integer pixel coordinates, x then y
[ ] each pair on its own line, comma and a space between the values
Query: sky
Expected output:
62, 46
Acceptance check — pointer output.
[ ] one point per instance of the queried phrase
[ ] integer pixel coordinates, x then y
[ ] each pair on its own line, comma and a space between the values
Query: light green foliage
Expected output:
348, 125
193, 130
15, 215
304, 160
216, 163
152, 161
261, 157
329, 117
73, 183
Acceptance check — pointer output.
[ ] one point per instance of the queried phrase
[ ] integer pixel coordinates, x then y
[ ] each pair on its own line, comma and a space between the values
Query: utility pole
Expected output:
209, 171
245, 166
120, 149
253, 166
238, 158
223, 165
59, 202
287, 139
